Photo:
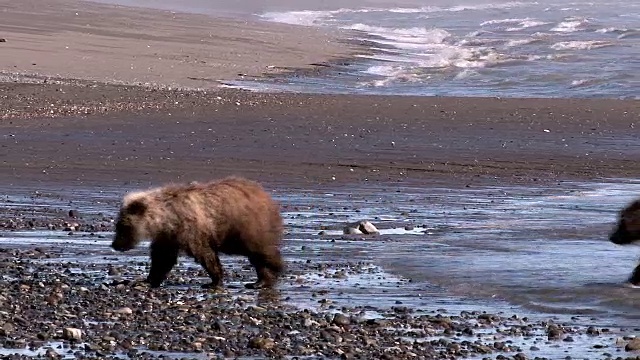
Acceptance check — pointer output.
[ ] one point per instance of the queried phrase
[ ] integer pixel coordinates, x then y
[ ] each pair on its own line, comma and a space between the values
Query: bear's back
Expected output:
229, 209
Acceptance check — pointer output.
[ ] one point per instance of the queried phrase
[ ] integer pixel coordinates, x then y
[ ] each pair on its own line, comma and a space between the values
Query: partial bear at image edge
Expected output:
627, 231
233, 216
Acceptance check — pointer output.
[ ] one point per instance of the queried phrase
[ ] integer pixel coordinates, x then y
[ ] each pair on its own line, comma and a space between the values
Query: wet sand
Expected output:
142, 136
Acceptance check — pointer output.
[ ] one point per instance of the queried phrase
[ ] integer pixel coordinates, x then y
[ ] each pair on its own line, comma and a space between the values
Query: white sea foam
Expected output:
526, 24
415, 35
436, 9
611, 29
478, 42
318, 17
580, 45
570, 24
465, 74
506, 5
306, 18
390, 74
406, 10
513, 24
520, 42
582, 82
503, 21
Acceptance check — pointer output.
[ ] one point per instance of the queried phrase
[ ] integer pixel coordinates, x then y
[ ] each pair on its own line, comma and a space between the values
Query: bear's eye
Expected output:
123, 226
137, 208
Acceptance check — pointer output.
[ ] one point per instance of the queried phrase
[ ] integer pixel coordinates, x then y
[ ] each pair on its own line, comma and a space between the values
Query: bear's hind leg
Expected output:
211, 263
268, 267
163, 259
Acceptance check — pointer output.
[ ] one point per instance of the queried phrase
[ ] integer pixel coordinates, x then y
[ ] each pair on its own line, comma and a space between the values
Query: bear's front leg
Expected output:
211, 263
163, 259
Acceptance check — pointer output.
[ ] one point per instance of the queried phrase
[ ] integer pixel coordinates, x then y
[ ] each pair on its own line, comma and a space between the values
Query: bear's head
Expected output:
628, 228
131, 223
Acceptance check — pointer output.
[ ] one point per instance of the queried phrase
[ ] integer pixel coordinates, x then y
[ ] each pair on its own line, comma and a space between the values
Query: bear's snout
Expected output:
616, 238
621, 236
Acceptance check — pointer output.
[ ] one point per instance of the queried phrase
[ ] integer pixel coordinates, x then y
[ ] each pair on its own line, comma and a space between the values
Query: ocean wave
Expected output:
612, 29
571, 24
513, 24
415, 35
321, 17
478, 42
520, 42
465, 74
306, 18
504, 21
581, 45
387, 57
527, 24
392, 72
630, 34
436, 9
584, 82
622, 33
444, 56
507, 5
477, 33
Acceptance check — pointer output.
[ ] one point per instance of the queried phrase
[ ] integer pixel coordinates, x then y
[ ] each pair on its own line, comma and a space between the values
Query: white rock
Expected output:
349, 230
367, 228
72, 333
361, 227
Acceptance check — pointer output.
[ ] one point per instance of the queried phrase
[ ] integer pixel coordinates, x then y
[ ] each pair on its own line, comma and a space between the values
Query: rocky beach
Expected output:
83, 121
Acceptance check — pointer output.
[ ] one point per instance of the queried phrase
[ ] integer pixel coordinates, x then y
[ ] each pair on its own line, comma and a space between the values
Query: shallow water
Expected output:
542, 249
536, 252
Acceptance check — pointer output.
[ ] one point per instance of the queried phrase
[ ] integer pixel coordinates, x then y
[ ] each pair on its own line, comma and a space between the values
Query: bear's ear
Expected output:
137, 207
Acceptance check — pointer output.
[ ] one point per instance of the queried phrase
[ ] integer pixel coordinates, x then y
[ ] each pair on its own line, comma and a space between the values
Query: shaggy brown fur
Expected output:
231, 216
628, 231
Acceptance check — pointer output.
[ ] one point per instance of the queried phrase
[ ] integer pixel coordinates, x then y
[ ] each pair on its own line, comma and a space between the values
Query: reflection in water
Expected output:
545, 249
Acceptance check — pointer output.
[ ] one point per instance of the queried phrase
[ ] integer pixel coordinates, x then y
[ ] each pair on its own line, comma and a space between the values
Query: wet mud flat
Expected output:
342, 296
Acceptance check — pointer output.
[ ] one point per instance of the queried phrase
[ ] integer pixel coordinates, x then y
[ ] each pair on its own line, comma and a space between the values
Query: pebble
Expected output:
341, 319
261, 343
124, 311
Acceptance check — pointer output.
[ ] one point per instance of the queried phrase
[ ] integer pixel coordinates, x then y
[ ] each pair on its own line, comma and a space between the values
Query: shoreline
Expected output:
112, 44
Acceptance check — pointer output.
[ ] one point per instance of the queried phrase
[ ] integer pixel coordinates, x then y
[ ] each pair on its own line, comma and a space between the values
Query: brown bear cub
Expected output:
233, 216
628, 231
